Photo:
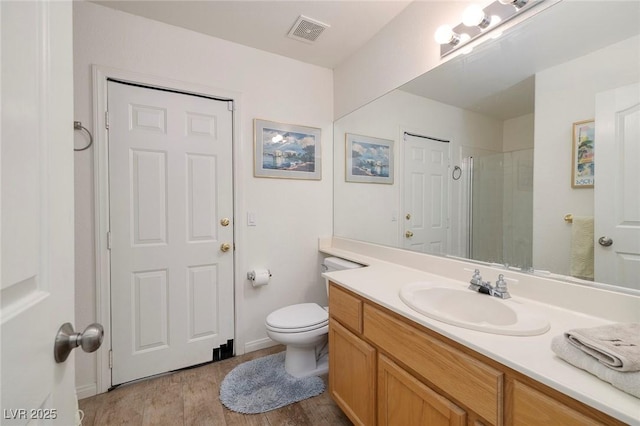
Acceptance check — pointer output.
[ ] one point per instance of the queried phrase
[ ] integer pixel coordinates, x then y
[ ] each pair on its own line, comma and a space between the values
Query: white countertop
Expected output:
531, 355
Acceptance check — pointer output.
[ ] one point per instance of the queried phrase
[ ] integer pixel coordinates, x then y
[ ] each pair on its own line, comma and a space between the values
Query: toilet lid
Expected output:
298, 316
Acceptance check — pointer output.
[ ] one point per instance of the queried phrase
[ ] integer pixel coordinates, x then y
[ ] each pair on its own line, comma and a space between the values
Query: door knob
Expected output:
67, 340
605, 241
225, 247
408, 234
225, 221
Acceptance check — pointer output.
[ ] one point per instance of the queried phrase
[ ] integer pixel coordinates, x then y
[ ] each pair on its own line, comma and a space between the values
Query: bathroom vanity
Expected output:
392, 365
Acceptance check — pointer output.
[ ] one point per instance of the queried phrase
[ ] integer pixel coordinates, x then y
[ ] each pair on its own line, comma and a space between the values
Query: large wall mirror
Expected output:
488, 150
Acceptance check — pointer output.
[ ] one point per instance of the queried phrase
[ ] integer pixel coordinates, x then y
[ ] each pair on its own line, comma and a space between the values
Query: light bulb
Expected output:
445, 35
474, 16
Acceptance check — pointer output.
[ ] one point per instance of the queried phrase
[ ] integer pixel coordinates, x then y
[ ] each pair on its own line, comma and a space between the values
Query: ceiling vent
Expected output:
307, 29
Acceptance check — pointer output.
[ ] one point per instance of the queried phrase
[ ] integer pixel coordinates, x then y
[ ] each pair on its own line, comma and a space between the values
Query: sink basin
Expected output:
468, 309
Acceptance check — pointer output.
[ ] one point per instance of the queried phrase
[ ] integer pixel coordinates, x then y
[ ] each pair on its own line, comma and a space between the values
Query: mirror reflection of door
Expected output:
426, 194
617, 187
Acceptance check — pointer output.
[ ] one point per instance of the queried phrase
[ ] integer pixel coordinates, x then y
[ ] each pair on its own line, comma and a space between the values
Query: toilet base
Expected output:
303, 361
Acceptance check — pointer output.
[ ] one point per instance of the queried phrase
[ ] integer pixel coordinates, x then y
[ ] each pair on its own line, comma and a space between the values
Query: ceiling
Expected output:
265, 24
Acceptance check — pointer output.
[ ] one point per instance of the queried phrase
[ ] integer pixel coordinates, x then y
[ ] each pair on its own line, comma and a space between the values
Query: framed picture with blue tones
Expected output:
368, 159
286, 151
583, 169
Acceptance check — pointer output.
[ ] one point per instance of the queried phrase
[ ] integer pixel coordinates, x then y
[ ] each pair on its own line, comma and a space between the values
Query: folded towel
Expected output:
582, 247
628, 382
617, 346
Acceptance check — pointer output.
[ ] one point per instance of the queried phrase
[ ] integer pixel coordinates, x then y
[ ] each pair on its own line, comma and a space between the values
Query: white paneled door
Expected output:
617, 187
171, 210
37, 286
426, 194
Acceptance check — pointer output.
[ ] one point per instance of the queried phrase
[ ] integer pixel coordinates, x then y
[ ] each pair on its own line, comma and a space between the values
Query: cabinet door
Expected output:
404, 400
352, 374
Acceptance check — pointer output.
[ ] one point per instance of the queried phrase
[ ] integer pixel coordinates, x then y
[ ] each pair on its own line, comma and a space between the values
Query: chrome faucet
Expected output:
485, 287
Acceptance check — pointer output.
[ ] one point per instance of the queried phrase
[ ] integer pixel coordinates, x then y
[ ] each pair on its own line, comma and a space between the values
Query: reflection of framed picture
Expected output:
286, 151
369, 159
582, 172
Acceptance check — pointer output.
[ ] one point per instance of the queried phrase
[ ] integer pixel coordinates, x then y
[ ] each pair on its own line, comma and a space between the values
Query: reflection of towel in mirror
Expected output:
616, 346
628, 382
582, 247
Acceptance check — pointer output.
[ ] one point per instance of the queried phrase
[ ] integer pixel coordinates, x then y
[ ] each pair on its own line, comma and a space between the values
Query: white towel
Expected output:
616, 346
582, 247
628, 382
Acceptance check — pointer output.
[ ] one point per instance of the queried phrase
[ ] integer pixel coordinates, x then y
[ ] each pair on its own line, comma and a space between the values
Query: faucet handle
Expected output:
476, 278
501, 287
501, 283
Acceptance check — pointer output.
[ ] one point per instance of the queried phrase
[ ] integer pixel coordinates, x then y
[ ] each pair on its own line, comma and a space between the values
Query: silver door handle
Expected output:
67, 340
605, 241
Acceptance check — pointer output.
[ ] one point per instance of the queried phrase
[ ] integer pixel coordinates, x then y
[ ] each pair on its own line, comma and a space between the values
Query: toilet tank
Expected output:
331, 264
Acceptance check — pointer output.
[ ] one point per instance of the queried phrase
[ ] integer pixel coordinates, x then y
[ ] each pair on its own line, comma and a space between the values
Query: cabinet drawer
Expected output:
531, 407
466, 379
345, 307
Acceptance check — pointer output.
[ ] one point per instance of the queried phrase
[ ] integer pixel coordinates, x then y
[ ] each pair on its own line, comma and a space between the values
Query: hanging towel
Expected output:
616, 346
628, 382
582, 247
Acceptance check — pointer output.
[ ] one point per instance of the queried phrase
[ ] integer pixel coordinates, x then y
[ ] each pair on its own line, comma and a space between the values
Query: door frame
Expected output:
101, 74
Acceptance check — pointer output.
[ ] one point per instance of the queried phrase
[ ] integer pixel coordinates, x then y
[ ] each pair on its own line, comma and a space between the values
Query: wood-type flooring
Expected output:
190, 397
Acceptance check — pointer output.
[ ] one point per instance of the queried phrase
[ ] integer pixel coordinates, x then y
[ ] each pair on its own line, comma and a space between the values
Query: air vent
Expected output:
307, 30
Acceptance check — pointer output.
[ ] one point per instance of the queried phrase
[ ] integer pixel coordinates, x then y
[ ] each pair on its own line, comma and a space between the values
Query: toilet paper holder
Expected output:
251, 275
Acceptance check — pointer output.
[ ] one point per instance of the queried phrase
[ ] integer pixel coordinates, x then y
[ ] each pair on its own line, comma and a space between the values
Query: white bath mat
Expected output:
263, 385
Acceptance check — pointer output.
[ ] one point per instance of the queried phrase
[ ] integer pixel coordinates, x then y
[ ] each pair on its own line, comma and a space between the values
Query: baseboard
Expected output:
85, 391
256, 345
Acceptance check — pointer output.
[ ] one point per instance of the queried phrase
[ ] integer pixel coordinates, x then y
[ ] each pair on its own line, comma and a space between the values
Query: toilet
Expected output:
304, 329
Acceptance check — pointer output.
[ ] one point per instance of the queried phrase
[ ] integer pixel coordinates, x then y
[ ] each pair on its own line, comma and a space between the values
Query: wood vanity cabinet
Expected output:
387, 370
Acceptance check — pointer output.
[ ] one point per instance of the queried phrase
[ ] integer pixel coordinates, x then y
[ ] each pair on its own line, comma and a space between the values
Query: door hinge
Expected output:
230, 106
106, 120
108, 240
110, 359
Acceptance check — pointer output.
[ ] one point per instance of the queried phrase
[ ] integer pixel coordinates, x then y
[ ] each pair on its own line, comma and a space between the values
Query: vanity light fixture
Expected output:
477, 21
518, 4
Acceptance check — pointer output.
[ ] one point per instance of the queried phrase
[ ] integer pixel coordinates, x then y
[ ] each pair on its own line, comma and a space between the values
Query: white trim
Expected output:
256, 345
101, 189
86, 391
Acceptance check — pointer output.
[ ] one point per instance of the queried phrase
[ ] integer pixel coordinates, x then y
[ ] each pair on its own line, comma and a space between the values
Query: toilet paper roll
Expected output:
260, 277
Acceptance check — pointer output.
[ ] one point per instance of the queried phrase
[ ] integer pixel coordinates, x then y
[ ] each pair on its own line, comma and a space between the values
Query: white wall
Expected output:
566, 94
400, 52
364, 211
290, 214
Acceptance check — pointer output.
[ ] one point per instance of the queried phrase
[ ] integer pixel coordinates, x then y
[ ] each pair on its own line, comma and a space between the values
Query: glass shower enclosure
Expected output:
499, 207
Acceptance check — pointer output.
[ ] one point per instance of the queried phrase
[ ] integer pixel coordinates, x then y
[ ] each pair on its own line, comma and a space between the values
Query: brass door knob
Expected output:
225, 221
225, 247
408, 234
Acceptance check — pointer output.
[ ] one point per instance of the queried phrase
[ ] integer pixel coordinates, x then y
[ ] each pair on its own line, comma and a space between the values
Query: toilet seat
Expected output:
297, 318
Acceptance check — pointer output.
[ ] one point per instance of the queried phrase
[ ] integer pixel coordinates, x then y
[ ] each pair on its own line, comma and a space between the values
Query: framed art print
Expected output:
369, 159
583, 167
286, 151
